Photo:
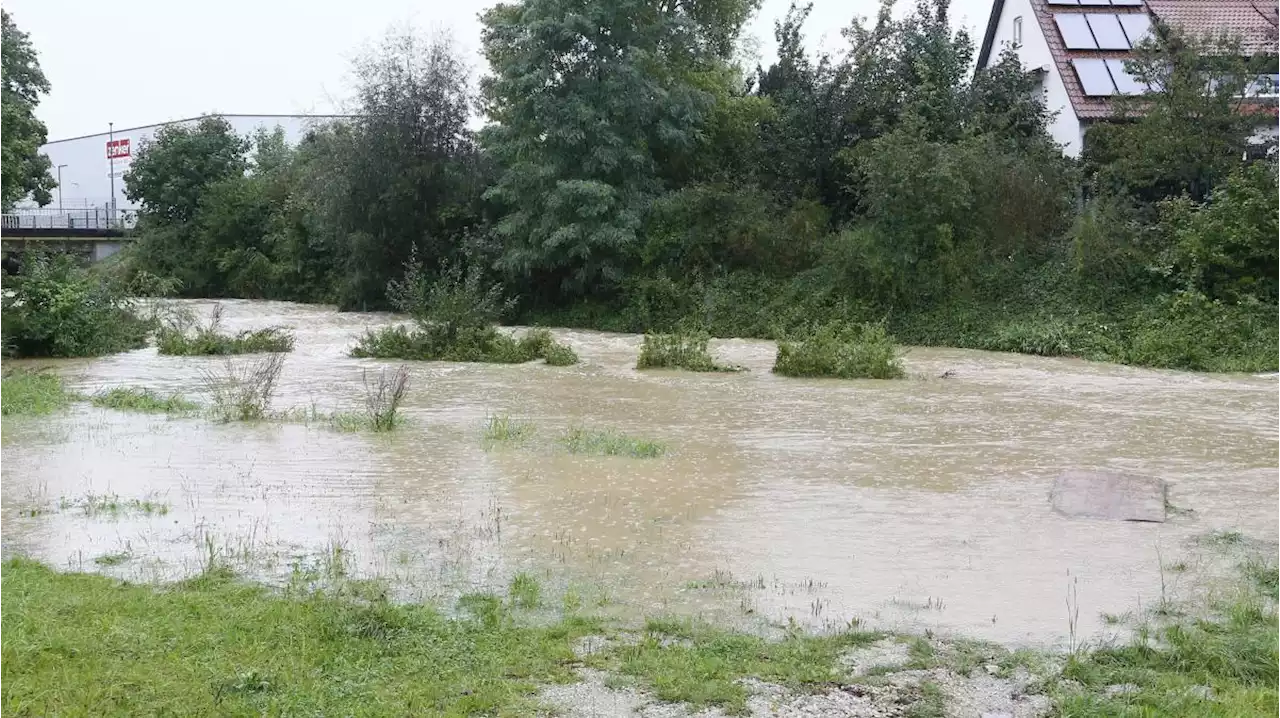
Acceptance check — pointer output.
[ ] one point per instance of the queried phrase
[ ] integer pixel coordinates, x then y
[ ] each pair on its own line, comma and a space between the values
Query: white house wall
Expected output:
1065, 127
84, 171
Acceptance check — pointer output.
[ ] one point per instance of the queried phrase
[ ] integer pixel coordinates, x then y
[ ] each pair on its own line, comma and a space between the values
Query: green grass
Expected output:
579, 440
33, 394
841, 350
113, 559
678, 351
469, 344
525, 591
144, 400
207, 341
502, 429
698, 664
81, 645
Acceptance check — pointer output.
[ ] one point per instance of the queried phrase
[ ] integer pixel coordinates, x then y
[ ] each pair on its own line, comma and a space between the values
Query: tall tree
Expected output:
25, 170
590, 101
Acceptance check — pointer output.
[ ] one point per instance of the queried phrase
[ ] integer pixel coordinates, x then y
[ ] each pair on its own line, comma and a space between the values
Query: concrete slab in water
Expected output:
1107, 495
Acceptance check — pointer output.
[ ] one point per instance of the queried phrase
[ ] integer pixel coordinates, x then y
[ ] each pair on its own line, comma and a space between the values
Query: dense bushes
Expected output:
56, 308
649, 181
678, 351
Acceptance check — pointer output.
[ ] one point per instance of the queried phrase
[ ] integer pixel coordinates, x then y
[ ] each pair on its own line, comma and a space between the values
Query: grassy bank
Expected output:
33, 394
79, 644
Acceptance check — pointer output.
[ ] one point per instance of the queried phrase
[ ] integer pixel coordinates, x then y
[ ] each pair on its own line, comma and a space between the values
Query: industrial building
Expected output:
90, 169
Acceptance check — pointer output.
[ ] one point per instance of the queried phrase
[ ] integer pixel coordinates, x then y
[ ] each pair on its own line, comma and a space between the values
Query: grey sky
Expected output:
139, 62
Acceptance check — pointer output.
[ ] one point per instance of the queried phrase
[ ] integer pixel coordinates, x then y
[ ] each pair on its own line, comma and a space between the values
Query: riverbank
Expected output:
78, 644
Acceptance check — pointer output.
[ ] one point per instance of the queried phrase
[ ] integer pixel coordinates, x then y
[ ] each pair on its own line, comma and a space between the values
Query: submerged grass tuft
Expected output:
579, 440
33, 394
113, 506
144, 400
503, 429
242, 391
430, 342
679, 351
841, 350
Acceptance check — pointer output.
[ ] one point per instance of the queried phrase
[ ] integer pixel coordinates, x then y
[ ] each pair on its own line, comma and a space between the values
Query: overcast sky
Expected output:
140, 62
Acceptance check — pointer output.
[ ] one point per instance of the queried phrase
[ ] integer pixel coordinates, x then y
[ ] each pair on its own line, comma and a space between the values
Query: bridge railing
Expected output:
86, 218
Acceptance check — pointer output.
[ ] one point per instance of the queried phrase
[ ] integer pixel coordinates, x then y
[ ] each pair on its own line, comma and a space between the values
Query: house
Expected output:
1079, 47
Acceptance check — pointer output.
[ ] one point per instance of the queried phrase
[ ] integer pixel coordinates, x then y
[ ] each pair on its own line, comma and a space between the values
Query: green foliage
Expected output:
842, 350
56, 308
23, 170
180, 336
172, 170
132, 398
1226, 248
33, 393
582, 139
502, 429
678, 351
580, 440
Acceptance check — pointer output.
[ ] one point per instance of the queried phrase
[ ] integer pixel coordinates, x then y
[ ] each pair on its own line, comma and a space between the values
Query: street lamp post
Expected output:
111, 172
60, 187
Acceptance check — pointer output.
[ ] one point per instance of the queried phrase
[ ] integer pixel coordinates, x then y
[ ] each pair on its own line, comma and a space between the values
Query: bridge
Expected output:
92, 232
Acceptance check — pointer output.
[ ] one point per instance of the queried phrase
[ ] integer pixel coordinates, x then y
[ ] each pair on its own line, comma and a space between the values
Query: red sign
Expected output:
117, 149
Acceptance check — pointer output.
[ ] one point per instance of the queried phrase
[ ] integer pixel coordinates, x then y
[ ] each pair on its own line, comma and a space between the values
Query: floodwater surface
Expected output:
911, 504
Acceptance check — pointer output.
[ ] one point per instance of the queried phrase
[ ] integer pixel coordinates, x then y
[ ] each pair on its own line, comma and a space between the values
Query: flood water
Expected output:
914, 504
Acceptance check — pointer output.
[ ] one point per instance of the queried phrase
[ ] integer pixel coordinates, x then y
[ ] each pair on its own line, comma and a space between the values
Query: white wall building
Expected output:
84, 166
1079, 47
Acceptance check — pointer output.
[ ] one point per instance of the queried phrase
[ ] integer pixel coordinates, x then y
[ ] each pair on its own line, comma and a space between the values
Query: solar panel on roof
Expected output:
1126, 84
1075, 31
1106, 30
1094, 77
1064, 2
1095, 2
1136, 26
1127, 3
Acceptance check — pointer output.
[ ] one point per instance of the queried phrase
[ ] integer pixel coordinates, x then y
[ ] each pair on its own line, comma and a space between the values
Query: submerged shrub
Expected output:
32, 393
56, 308
242, 391
678, 351
842, 350
501, 428
472, 344
383, 398
138, 399
181, 336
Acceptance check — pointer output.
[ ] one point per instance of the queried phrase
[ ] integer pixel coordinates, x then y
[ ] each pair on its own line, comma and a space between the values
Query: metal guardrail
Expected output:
100, 218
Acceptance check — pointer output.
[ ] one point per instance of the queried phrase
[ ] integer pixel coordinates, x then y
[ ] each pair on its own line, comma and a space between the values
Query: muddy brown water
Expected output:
908, 504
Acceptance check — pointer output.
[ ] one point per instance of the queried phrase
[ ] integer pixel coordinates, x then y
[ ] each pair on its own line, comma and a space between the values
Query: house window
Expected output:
1017, 31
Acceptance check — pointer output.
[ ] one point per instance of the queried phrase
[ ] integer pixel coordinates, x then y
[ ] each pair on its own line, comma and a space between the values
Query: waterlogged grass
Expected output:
579, 440
33, 394
525, 591
111, 505
469, 344
679, 351
209, 342
77, 644
701, 665
841, 350
503, 429
143, 400
1219, 664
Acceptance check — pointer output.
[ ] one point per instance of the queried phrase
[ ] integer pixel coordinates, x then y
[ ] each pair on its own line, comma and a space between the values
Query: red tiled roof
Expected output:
1086, 107
1253, 21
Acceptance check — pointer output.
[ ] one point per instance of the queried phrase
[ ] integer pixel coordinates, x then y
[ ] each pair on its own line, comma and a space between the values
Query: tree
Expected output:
25, 170
1187, 135
590, 102
172, 170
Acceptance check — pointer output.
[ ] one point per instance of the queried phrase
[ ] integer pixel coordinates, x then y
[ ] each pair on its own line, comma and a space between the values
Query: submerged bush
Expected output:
138, 399
474, 344
383, 397
678, 351
181, 336
242, 391
33, 393
842, 350
56, 308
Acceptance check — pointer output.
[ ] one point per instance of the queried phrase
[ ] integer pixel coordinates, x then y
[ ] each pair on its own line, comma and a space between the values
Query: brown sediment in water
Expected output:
909, 504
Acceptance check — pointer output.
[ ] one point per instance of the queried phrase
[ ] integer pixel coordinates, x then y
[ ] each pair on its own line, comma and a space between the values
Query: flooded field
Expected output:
912, 504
